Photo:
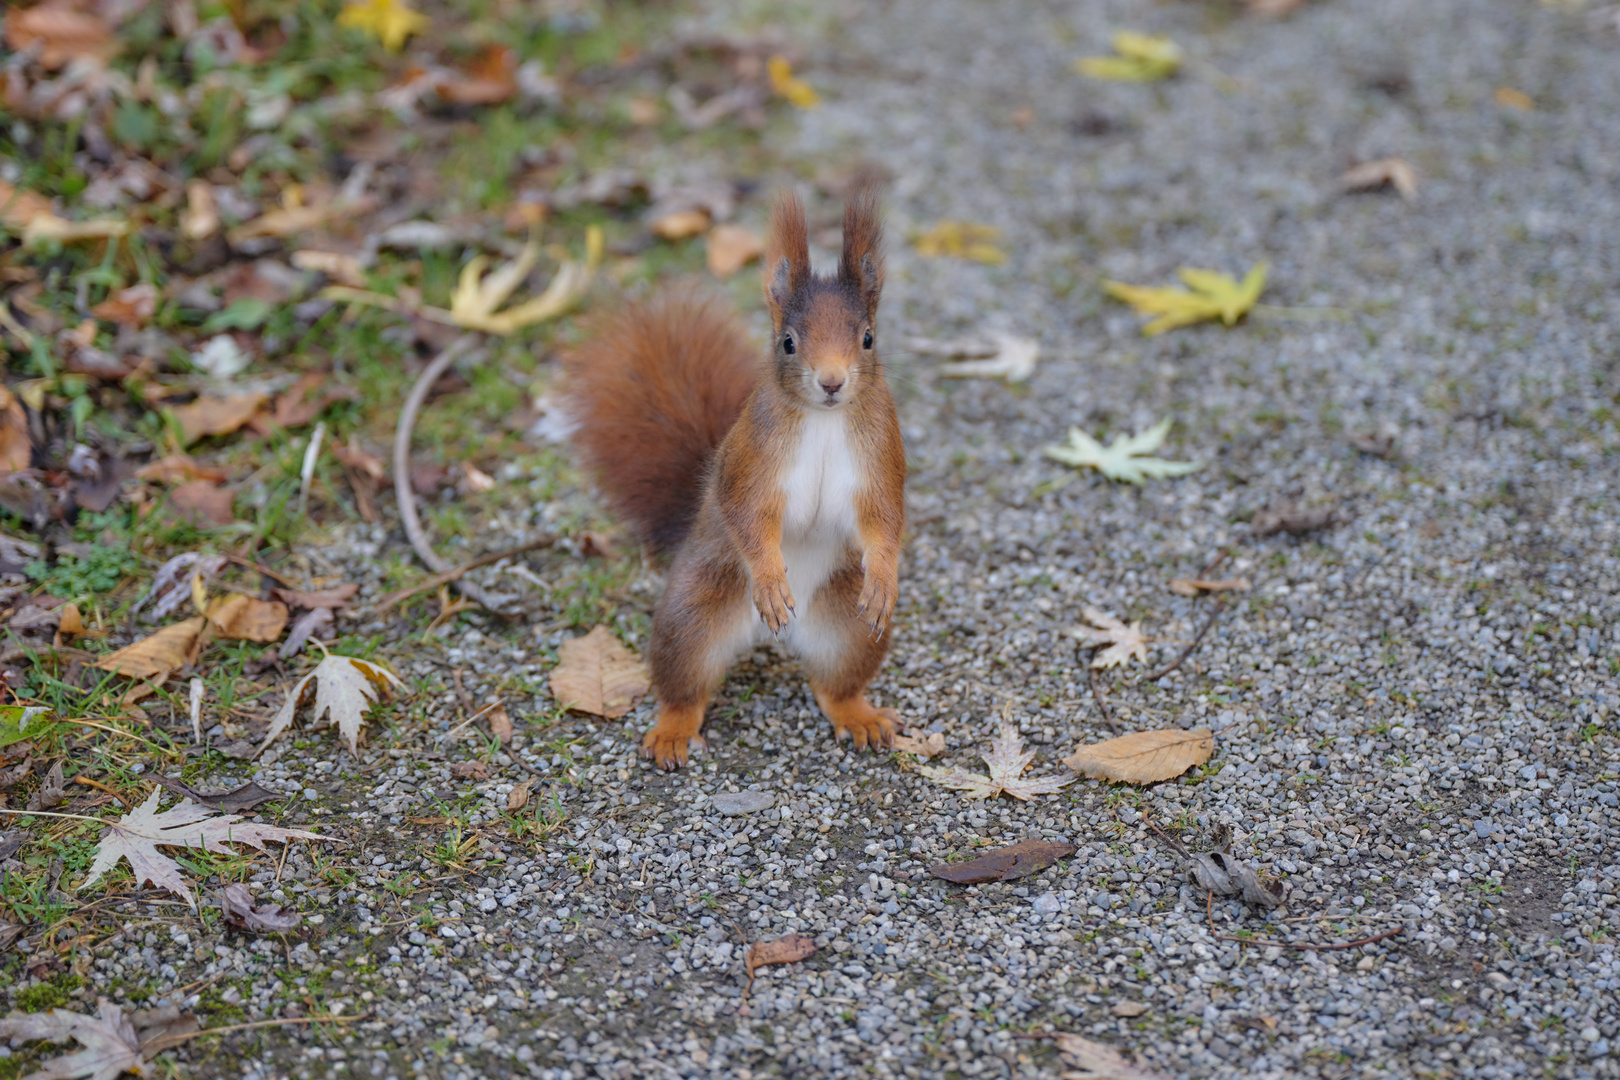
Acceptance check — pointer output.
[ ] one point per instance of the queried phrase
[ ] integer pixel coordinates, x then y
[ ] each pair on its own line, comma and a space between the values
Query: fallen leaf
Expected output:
211, 415
1008, 863
245, 618
961, 240
788, 85
137, 835
1213, 295
203, 503
474, 304
178, 468
1223, 874
500, 724
245, 797
1143, 757
923, 748
1513, 99
732, 247
1129, 1009
1137, 58
1195, 586
1385, 172
50, 227
240, 910
1271, 9
161, 654
1124, 459
596, 674
490, 79
1123, 641
132, 307
336, 597
470, 770
390, 21
281, 222
16, 448
305, 627
1292, 519
476, 479
345, 689
1007, 761
1099, 1062
61, 33
787, 949
680, 224
19, 206
111, 1047
1378, 444
171, 585
200, 219
344, 269
52, 789
519, 796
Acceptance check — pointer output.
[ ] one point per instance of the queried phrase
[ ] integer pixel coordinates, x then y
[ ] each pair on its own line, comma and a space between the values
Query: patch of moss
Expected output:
53, 993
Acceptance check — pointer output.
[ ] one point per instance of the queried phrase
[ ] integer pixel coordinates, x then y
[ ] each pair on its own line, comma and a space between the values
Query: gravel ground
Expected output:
1414, 707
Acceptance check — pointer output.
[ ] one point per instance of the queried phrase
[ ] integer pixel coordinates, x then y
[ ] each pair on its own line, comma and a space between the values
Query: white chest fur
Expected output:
818, 521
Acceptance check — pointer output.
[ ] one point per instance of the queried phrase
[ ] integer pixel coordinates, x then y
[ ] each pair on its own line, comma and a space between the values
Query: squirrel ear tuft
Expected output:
862, 262
787, 254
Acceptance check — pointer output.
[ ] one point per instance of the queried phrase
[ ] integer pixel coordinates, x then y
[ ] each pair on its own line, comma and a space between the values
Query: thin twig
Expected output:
446, 577
1101, 696
1209, 913
169, 1042
1220, 557
1220, 605
1172, 841
99, 786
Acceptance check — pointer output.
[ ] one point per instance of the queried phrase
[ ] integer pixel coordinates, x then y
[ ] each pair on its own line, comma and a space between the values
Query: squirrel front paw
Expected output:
878, 595
774, 600
669, 750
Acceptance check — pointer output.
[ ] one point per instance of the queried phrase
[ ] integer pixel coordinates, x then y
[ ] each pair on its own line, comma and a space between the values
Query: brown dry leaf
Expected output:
166, 651
490, 79
500, 724
1143, 757
19, 206
178, 468
595, 674
519, 798
1008, 863
132, 307
244, 618
1123, 641
787, 949
1007, 761
1513, 99
923, 748
1292, 519
51, 227
681, 225
470, 770
72, 624
1385, 172
344, 269
203, 503
1099, 1062
336, 597
732, 247
111, 1047
346, 687
242, 911
62, 33
308, 624
200, 219
1224, 874
280, 222
16, 448
244, 797
1193, 586
210, 415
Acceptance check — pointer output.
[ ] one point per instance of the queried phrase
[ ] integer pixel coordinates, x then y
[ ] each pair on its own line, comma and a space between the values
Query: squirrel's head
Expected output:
824, 329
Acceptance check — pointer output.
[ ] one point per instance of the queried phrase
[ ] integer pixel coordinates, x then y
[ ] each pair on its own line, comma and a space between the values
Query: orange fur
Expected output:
655, 390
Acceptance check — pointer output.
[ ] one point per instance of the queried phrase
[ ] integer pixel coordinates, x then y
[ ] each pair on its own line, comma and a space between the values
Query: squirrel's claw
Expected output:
774, 601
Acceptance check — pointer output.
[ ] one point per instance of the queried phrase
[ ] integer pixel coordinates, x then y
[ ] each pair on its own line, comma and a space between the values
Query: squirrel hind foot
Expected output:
865, 724
674, 737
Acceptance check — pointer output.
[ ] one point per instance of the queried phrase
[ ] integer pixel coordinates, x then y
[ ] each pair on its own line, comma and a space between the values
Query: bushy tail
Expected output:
653, 390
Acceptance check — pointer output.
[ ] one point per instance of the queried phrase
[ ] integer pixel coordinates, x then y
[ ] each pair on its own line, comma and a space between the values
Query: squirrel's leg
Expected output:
841, 655
703, 621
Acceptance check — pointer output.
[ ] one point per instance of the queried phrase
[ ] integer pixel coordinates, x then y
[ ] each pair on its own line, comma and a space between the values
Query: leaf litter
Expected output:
1008, 863
1143, 757
1007, 760
596, 674
346, 687
111, 1046
1137, 58
1210, 295
1124, 642
1125, 458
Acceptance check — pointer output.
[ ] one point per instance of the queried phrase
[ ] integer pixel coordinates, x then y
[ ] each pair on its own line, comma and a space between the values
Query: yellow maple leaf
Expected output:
389, 20
789, 85
477, 299
1213, 295
961, 240
1138, 58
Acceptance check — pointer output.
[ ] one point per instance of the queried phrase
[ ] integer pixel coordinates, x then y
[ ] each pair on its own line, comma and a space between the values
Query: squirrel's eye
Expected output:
866, 342
787, 344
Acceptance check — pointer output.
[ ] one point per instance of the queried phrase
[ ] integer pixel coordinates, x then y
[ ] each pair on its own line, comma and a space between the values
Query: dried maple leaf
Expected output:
1007, 761
137, 836
1004, 356
166, 651
1123, 641
242, 911
210, 415
732, 247
1143, 757
1137, 58
923, 748
390, 21
111, 1047
1213, 295
1385, 172
596, 674
789, 85
345, 688
1124, 458
474, 304
1099, 1062
246, 618
961, 240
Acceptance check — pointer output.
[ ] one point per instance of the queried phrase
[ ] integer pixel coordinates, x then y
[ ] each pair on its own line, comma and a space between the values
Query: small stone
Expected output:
1129, 1008
742, 802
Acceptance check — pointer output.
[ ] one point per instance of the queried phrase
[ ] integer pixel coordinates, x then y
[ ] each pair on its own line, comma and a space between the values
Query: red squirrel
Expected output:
776, 489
